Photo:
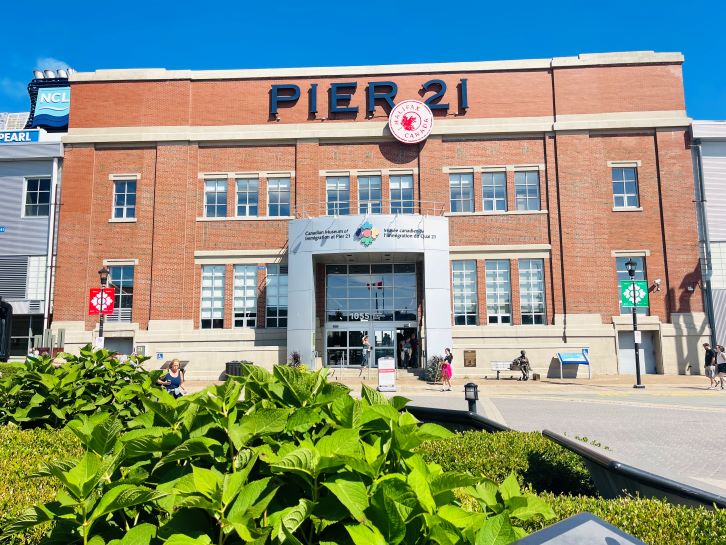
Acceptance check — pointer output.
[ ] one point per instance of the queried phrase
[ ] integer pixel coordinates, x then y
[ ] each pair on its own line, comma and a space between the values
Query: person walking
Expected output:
366, 354
720, 365
173, 381
709, 364
446, 371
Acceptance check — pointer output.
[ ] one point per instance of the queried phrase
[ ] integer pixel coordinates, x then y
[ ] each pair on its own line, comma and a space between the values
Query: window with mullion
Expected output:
212, 312
531, 291
494, 191
278, 197
402, 194
124, 199
526, 190
247, 196
215, 198
465, 292
276, 296
121, 279
369, 194
37, 197
338, 195
625, 187
499, 292
245, 296
461, 187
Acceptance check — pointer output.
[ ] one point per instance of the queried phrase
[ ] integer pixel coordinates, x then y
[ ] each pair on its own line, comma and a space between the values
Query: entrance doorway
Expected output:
344, 344
407, 348
626, 353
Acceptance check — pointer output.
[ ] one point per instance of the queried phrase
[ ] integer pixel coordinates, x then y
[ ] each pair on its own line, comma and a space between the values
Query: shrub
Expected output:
432, 371
298, 460
21, 453
653, 521
534, 459
7, 370
41, 392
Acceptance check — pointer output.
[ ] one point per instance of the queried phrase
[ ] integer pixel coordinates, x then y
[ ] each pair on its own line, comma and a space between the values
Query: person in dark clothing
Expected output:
709, 364
173, 381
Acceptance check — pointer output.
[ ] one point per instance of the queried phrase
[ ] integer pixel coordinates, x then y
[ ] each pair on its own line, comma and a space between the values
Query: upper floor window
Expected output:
124, 198
625, 187
215, 198
369, 194
402, 194
338, 195
212, 312
622, 272
526, 190
276, 296
37, 197
494, 191
247, 196
499, 292
465, 297
245, 295
278, 197
461, 187
531, 291
121, 279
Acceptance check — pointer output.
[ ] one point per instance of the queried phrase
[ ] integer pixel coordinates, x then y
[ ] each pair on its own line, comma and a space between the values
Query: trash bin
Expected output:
6, 323
233, 368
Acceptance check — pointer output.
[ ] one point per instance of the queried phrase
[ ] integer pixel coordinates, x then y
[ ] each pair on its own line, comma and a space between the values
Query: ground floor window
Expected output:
121, 279
531, 291
245, 295
212, 315
276, 296
499, 292
24, 327
465, 297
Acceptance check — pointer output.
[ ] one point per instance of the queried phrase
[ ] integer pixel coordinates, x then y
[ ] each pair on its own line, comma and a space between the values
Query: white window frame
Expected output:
396, 184
124, 209
528, 197
278, 180
214, 272
246, 206
457, 181
25, 195
529, 288
279, 272
376, 206
497, 200
622, 182
216, 192
501, 298
334, 187
464, 288
121, 313
244, 293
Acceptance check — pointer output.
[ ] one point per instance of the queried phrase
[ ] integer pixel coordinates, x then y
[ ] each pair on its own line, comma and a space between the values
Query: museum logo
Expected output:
366, 234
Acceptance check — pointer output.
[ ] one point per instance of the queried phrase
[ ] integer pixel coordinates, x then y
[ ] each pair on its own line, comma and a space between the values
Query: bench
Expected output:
500, 366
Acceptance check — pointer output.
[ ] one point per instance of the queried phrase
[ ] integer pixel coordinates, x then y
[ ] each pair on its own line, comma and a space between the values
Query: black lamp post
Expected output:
630, 266
471, 394
103, 275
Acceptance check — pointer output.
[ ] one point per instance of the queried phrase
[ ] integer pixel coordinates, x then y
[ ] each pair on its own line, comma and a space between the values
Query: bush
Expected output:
432, 371
7, 370
655, 522
44, 393
21, 454
534, 459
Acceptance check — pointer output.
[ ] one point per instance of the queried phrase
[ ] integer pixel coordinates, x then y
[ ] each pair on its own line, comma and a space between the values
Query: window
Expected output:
369, 194
625, 188
276, 296
124, 198
531, 291
462, 192
212, 296
247, 197
121, 279
499, 293
494, 190
215, 198
640, 274
402, 194
465, 299
338, 195
35, 286
37, 197
526, 190
278, 197
245, 295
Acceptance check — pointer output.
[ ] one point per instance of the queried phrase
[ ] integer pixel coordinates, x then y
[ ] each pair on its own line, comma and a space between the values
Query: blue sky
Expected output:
90, 35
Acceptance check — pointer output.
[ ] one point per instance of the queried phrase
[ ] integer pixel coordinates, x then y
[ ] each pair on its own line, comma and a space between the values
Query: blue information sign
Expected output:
2, 228
19, 137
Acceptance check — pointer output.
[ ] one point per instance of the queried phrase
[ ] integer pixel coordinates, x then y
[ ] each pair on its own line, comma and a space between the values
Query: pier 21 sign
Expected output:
377, 92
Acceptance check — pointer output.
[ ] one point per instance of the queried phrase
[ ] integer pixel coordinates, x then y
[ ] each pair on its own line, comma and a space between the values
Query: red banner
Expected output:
96, 302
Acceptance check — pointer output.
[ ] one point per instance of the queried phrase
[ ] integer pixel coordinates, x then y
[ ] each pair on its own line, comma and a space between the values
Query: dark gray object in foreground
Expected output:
582, 529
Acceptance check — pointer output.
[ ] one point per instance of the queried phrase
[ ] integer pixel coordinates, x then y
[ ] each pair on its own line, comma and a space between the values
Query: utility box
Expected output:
469, 358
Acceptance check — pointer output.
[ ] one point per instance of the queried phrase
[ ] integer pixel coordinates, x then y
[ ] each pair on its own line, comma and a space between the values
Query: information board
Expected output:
386, 375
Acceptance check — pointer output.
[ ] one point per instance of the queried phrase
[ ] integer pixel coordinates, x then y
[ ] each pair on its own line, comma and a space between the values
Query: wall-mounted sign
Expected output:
340, 95
411, 121
2, 228
19, 137
52, 106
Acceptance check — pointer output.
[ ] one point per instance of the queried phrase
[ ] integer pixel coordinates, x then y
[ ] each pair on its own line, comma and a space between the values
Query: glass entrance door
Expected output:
385, 345
345, 347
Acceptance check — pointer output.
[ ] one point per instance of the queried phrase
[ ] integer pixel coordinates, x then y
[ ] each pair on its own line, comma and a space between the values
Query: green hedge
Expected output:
21, 454
536, 460
7, 370
656, 522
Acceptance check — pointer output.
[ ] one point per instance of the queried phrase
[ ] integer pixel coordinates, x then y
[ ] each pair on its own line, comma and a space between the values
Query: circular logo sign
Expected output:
411, 121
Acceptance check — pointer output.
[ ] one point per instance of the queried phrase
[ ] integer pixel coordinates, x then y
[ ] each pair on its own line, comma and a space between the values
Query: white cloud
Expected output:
13, 88
49, 63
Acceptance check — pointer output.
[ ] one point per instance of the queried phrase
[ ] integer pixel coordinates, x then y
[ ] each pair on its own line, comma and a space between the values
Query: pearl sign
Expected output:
411, 121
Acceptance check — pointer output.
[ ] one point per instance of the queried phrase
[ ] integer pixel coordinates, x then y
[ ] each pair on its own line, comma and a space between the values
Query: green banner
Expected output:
637, 297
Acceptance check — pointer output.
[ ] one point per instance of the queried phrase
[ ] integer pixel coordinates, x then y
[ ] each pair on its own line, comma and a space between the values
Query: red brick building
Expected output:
543, 176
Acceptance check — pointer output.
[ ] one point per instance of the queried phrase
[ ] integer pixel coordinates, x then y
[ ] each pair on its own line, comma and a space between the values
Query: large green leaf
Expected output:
461, 518
303, 419
510, 488
138, 535
302, 461
442, 531
249, 498
192, 448
122, 497
373, 397
389, 515
528, 507
83, 477
419, 483
259, 423
365, 534
451, 480
496, 531
27, 519
346, 411
290, 518
181, 539
352, 493
208, 482
345, 442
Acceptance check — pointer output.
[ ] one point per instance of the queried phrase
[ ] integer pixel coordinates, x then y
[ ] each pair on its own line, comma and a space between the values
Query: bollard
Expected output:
471, 394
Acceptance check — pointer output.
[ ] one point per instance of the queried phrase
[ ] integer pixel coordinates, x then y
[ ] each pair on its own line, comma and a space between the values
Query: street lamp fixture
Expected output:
471, 394
631, 266
103, 275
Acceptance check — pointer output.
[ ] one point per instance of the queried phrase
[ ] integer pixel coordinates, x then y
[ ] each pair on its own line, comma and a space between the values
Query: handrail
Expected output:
456, 417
